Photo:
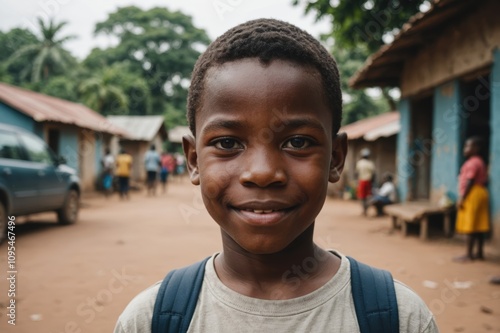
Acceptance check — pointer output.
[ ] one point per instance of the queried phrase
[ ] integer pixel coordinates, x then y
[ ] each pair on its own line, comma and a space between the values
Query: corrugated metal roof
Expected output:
140, 128
176, 133
370, 129
42, 107
384, 67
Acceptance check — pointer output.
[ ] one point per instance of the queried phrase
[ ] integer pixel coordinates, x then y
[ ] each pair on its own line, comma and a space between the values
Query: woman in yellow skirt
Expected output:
473, 211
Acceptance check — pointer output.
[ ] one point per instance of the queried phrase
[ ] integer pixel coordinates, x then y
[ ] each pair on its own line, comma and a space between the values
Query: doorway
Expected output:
421, 147
476, 113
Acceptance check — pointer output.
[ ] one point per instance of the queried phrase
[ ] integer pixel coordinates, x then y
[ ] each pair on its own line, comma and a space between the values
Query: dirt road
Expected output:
79, 278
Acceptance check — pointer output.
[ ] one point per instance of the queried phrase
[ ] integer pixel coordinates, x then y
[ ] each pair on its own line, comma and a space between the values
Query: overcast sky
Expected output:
215, 16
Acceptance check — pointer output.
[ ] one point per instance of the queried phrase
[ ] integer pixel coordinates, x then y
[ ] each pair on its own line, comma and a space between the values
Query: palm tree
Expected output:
102, 93
46, 56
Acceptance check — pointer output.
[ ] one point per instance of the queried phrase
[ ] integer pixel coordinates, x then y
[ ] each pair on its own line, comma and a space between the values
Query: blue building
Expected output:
446, 63
72, 130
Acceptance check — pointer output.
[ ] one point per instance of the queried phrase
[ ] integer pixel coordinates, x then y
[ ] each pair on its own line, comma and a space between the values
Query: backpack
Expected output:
372, 291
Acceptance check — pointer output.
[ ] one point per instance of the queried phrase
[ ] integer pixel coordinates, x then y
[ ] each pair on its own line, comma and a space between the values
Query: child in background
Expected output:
264, 109
473, 211
108, 164
386, 195
167, 167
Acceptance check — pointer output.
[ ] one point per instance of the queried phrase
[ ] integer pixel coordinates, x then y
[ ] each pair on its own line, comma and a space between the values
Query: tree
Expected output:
116, 90
61, 86
357, 104
160, 44
11, 41
363, 22
102, 94
46, 56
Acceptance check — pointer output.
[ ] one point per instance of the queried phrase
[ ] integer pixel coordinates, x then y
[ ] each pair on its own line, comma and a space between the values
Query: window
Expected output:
9, 146
36, 149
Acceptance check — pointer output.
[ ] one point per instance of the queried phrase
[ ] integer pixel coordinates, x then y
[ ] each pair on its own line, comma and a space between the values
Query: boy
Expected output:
264, 108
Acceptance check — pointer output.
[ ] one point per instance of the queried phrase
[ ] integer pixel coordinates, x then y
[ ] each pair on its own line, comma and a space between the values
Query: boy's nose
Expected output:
263, 169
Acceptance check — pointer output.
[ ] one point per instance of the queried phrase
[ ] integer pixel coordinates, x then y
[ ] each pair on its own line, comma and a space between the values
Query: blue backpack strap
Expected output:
374, 299
177, 298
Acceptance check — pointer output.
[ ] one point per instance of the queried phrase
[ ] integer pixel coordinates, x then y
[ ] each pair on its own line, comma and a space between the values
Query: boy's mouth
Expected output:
258, 213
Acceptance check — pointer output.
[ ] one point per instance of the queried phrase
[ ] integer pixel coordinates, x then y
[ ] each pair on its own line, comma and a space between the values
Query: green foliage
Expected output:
363, 22
11, 41
359, 28
45, 56
160, 44
357, 104
62, 87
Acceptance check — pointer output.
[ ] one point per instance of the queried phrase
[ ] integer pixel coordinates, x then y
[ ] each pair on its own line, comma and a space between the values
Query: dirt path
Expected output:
79, 278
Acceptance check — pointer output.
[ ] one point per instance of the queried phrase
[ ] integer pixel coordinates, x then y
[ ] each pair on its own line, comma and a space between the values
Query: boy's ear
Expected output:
189, 147
339, 153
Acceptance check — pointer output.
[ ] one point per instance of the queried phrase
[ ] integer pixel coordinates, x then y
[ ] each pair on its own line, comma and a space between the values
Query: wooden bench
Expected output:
418, 212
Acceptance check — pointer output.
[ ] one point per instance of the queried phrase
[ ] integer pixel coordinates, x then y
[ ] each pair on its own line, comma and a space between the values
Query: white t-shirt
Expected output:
365, 169
327, 309
388, 190
152, 160
109, 162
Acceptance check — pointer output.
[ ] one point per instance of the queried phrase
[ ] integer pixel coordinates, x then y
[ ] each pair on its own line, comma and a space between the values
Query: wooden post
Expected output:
404, 228
394, 222
424, 228
447, 223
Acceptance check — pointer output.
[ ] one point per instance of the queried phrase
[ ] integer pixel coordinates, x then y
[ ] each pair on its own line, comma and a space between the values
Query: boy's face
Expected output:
264, 152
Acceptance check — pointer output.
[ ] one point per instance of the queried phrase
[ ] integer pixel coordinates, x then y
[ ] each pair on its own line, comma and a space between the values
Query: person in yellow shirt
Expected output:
123, 167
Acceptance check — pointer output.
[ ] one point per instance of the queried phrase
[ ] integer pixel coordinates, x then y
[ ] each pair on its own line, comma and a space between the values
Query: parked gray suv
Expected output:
33, 179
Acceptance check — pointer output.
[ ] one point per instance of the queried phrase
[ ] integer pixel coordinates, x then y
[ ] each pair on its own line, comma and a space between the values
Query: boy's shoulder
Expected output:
137, 315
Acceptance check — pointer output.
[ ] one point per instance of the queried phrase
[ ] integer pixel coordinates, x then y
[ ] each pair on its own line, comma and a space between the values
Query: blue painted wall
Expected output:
68, 146
13, 117
405, 169
446, 135
495, 140
98, 152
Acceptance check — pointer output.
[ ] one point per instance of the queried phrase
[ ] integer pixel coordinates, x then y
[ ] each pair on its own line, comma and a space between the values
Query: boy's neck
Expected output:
296, 271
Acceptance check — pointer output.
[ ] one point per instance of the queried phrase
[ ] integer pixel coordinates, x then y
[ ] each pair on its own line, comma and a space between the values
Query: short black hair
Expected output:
267, 39
478, 142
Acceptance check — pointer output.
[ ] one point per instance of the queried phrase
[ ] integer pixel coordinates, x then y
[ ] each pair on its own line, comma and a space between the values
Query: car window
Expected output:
36, 149
9, 146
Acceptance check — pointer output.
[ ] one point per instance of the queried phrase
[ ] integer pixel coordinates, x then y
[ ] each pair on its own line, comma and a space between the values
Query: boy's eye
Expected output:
297, 143
227, 143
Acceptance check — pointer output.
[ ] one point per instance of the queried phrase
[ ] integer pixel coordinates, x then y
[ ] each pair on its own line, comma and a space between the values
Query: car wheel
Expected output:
68, 214
3, 223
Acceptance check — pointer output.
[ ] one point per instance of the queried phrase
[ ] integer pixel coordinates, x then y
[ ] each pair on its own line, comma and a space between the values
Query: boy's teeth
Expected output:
259, 211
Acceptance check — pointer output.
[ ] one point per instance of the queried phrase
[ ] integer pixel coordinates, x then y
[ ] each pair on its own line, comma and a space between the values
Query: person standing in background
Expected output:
365, 171
152, 163
123, 168
108, 164
167, 167
473, 210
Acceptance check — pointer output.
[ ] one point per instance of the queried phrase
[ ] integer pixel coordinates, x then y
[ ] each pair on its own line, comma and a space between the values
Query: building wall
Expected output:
446, 136
87, 153
99, 152
404, 168
495, 148
465, 46
13, 117
68, 146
